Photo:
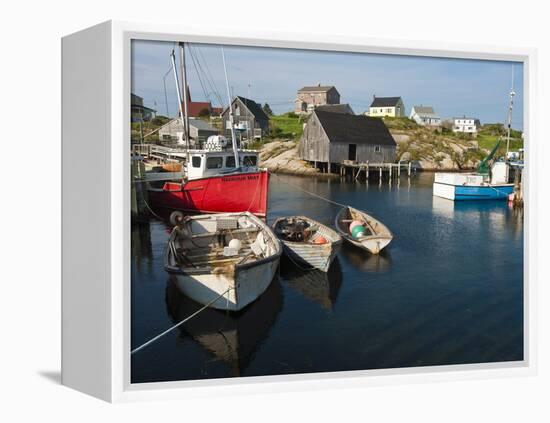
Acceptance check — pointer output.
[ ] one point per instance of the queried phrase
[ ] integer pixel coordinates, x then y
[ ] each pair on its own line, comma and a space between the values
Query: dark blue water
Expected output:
448, 290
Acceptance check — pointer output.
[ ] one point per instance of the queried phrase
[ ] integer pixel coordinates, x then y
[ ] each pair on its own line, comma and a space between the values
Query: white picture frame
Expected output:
95, 273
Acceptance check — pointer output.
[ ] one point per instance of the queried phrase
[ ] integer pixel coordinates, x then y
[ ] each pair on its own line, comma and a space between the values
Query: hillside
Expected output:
446, 150
427, 149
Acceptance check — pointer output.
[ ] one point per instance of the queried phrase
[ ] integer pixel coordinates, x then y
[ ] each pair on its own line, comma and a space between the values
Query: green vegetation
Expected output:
138, 129
400, 123
288, 125
267, 109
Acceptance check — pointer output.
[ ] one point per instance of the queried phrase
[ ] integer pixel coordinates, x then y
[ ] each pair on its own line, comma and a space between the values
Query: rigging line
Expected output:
204, 91
210, 78
204, 77
181, 322
211, 83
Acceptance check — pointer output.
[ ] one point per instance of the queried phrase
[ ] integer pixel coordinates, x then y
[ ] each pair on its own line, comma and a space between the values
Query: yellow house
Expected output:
386, 106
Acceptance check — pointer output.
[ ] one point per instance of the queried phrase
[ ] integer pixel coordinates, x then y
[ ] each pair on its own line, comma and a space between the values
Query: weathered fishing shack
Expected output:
249, 118
337, 138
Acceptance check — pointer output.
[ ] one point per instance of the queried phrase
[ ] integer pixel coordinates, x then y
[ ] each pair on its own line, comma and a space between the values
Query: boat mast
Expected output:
185, 94
180, 103
510, 107
231, 119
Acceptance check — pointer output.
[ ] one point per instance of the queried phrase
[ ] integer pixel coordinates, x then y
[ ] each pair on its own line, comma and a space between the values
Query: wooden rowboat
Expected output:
377, 236
307, 242
207, 266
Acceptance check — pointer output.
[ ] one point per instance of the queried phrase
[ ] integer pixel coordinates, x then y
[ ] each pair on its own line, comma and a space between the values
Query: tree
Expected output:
267, 110
204, 113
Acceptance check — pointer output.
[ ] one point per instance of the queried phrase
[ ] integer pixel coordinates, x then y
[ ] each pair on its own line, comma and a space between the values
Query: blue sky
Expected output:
454, 87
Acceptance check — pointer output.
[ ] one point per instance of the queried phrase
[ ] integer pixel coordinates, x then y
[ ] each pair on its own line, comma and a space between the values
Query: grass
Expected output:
487, 142
400, 123
288, 125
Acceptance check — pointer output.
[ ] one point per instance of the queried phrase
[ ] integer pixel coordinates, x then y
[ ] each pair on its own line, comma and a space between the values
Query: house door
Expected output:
352, 152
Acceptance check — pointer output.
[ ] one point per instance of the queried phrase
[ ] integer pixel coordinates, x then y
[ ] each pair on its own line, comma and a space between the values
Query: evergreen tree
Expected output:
267, 110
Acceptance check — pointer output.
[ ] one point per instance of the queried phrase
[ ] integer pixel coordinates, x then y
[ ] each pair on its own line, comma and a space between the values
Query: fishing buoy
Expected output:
235, 244
354, 224
320, 240
358, 231
176, 218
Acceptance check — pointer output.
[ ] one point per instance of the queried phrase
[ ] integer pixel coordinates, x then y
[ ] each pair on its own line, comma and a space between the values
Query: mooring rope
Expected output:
160, 335
308, 192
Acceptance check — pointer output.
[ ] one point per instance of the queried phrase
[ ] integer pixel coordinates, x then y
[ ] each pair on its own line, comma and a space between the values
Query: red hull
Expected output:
224, 193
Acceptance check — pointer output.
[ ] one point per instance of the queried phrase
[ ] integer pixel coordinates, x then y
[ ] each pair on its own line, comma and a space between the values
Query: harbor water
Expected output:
447, 290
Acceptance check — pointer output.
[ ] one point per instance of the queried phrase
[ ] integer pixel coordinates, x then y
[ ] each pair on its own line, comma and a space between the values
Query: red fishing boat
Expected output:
217, 178
213, 185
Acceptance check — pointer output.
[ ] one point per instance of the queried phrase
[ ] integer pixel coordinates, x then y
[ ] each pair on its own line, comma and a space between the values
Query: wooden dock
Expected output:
160, 152
380, 170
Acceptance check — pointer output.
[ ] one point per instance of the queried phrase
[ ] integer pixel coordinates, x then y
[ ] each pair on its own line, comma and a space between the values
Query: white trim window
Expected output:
377, 149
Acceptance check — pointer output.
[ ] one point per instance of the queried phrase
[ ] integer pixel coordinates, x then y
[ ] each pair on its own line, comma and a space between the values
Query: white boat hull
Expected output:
241, 287
310, 254
374, 243
315, 256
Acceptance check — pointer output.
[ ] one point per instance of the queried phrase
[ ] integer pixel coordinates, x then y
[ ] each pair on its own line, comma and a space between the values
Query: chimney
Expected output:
374, 96
318, 84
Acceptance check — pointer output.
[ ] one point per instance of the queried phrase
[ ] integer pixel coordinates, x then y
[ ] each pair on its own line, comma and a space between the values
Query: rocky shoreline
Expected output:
427, 153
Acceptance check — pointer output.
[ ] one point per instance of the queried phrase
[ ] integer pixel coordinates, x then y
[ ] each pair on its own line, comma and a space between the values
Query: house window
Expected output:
196, 161
214, 162
388, 110
377, 149
237, 111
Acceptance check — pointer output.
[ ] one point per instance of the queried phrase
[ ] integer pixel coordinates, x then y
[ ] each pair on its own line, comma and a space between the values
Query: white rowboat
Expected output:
207, 267
377, 235
300, 236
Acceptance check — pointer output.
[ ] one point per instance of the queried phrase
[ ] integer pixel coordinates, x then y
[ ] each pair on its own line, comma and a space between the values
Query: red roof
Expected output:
194, 108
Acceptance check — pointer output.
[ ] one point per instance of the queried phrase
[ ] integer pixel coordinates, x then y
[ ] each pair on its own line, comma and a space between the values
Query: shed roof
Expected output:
429, 110
385, 101
355, 129
201, 124
254, 108
336, 108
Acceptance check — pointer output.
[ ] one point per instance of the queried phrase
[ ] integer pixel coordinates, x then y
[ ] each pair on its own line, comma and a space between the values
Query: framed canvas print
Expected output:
262, 212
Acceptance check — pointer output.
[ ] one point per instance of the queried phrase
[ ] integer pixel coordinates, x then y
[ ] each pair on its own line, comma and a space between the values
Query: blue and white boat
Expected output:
472, 186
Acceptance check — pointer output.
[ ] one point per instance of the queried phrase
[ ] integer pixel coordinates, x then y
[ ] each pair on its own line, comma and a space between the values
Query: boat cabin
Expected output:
207, 163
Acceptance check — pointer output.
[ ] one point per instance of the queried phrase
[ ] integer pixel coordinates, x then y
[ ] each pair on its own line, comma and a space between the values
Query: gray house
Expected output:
199, 131
250, 119
308, 98
141, 113
331, 138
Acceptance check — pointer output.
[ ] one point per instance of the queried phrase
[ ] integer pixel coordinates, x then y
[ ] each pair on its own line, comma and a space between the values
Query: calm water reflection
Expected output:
448, 290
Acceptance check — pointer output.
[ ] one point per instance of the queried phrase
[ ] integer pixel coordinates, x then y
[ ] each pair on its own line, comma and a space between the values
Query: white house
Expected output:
467, 125
425, 116
386, 106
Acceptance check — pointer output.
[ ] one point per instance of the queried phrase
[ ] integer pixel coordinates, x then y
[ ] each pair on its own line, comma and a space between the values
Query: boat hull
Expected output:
372, 245
314, 256
472, 192
309, 254
379, 239
244, 285
218, 194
